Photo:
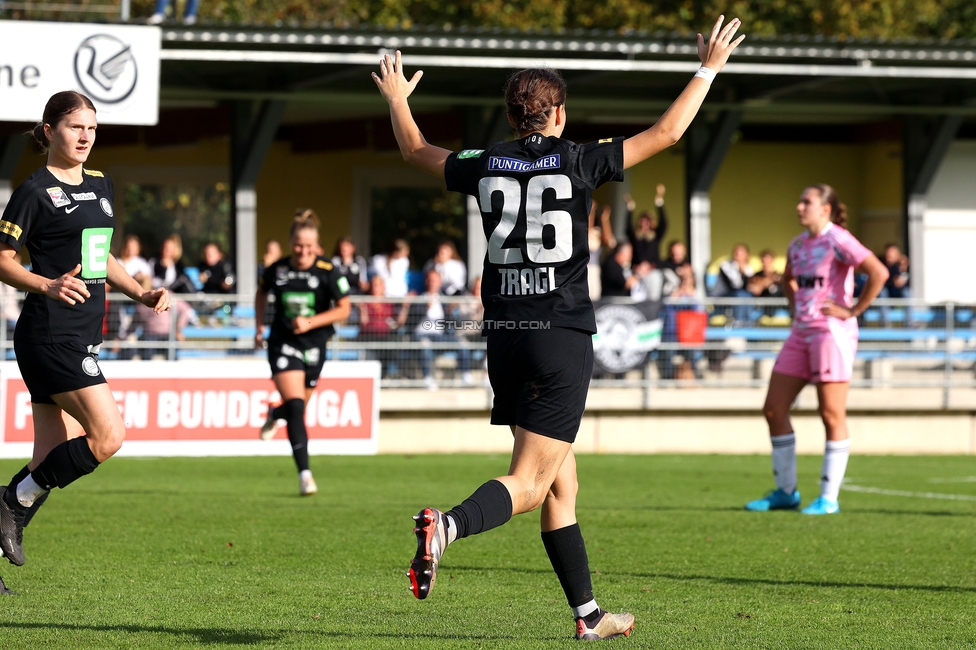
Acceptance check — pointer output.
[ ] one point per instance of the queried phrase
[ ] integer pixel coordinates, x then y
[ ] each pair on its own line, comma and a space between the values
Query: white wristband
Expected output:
707, 74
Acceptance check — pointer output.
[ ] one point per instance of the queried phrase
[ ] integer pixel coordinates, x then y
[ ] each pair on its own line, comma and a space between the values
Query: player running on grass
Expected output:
535, 196
819, 283
311, 295
63, 214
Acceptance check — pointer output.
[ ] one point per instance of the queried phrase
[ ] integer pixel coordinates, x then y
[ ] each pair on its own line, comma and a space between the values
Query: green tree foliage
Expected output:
197, 213
888, 19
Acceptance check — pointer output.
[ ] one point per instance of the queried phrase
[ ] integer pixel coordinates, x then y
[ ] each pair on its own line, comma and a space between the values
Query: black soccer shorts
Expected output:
52, 368
283, 357
540, 379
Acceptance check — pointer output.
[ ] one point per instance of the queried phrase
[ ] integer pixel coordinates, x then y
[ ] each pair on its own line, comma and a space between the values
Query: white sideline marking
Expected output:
905, 493
958, 479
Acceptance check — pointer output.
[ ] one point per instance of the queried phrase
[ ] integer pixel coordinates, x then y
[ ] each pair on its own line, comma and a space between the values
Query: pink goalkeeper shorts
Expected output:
819, 356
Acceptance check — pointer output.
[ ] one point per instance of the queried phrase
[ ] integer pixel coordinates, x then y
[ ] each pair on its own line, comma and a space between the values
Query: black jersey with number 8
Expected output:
535, 196
62, 226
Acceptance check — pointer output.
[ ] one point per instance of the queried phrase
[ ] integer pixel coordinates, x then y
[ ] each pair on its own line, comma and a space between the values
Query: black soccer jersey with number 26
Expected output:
62, 226
535, 196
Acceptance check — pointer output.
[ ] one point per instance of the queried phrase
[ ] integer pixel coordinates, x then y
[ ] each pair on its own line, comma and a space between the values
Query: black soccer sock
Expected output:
65, 464
489, 507
567, 553
32, 510
294, 412
276, 412
18, 477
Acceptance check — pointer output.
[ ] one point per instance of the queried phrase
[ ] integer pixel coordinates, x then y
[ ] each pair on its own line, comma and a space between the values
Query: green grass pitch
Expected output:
222, 553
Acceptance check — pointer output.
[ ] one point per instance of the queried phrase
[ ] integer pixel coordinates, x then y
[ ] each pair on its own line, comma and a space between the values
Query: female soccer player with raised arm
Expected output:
535, 196
819, 284
63, 213
311, 295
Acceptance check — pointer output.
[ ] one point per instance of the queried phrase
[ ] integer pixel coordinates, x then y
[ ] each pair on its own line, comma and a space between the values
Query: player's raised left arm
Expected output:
675, 121
395, 89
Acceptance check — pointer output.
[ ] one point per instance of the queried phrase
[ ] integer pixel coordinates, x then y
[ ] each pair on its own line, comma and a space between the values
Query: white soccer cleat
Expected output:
270, 426
306, 485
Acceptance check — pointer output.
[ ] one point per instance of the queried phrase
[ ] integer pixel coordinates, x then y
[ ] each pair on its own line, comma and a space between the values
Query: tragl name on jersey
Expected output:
535, 195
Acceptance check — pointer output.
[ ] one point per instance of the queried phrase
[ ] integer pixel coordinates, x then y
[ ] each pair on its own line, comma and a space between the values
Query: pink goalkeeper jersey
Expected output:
823, 267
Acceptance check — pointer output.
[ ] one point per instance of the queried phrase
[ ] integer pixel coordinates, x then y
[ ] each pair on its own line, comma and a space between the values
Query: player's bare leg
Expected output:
61, 456
564, 544
833, 413
536, 460
782, 392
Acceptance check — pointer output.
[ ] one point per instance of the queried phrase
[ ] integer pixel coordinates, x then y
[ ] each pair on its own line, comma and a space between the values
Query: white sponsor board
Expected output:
200, 408
117, 66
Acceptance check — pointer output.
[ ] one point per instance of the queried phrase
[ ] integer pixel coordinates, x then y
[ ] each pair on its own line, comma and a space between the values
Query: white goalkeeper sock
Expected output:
834, 467
784, 461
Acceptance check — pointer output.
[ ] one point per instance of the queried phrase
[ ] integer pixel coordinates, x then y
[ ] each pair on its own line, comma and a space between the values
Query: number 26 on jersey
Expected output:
528, 280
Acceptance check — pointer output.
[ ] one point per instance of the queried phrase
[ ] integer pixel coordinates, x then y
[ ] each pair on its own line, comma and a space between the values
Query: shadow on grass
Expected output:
223, 636
681, 508
737, 581
920, 513
201, 635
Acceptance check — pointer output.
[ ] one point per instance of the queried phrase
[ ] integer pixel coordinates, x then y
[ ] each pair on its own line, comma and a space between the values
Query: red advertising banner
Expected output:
214, 408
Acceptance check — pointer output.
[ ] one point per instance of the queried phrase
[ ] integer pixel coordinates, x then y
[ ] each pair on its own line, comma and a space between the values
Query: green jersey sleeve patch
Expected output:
470, 153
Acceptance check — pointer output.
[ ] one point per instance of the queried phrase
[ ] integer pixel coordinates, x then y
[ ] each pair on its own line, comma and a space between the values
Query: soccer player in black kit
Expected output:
311, 295
535, 195
64, 215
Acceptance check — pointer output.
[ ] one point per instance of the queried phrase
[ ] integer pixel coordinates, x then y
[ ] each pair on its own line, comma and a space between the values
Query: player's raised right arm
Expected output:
675, 121
395, 89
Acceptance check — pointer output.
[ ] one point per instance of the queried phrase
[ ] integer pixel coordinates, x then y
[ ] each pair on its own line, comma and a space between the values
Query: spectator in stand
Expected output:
448, 263
600, 238
168, 270
377, 323
351, 266
681, 365
473, 312
272, 253
733, 276
766, 283
677, 257
429, 316
898, 277
616, 276
132, 261
156, 327
646, 240
216, 273
393, 268
189, 12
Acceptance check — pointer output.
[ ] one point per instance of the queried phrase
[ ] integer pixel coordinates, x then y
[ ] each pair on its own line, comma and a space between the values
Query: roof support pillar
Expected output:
253, 127
925, 144
11, 150
705, 149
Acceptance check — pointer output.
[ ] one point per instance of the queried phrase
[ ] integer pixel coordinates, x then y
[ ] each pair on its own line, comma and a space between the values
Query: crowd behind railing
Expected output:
425, 327
435, 341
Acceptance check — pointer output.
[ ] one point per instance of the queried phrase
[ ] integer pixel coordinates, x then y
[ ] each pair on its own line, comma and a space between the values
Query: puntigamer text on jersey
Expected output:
502, 164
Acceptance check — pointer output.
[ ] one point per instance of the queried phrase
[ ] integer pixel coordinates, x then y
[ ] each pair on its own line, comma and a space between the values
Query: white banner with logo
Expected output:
213, 408
117, 66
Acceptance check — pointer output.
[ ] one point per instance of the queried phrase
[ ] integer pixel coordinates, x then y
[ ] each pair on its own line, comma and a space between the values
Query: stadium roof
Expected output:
324, 72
